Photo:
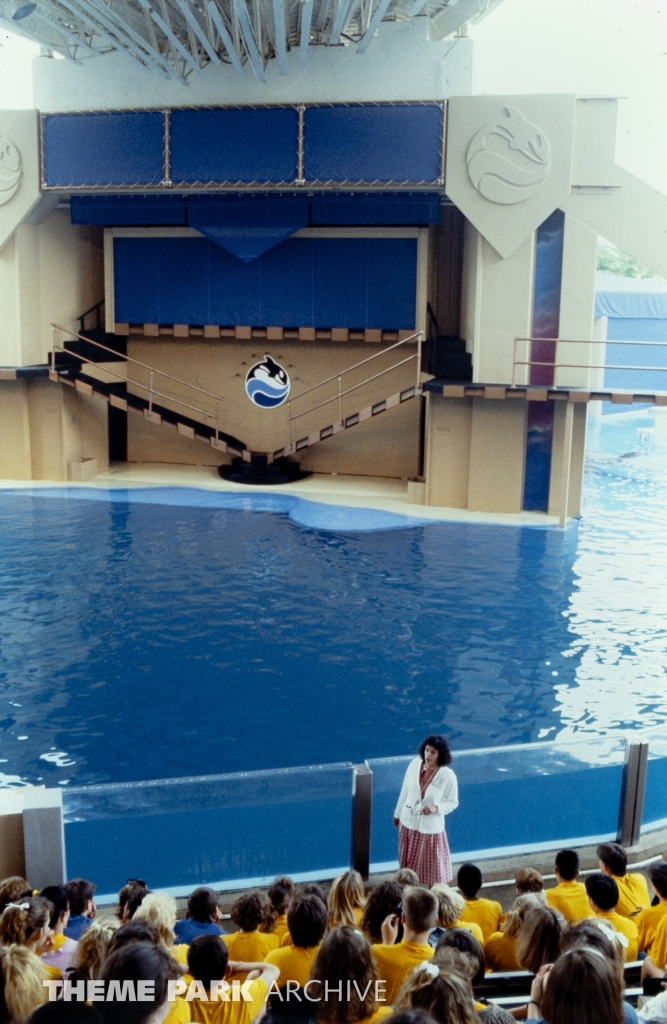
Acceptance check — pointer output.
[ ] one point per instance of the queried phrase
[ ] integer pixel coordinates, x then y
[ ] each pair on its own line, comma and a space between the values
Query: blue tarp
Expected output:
630, 298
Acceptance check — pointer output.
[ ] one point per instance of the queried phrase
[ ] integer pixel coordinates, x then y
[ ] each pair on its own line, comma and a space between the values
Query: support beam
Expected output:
372, 28
340, 21
214, 14
44, 837
362, 796
279, 24
198, 30
567, 461
254, 55
304, 39
632, 793
189, 60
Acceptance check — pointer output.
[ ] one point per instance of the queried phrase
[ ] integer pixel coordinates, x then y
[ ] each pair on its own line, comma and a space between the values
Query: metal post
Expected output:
362, 794
567, 460
289, 426
44, 837
53, 349
150, 398
632, 792
340, 399
217, 420
419, 362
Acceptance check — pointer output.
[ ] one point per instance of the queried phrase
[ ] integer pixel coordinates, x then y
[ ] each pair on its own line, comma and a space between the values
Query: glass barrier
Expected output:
514, 799
214, 830
655, 795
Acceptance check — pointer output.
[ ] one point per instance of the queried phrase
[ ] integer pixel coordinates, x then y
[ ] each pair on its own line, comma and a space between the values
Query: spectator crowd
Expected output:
396, 952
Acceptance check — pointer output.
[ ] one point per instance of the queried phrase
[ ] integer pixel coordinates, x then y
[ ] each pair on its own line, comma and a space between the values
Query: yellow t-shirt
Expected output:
659, 946
570, 899
179, 1012
180, 953
280, 927
293, 962
250, 947
633, 895
382, 1011
500, 953
394, 963
242, 1012
485, 913
626, 927
647, 923
470, 926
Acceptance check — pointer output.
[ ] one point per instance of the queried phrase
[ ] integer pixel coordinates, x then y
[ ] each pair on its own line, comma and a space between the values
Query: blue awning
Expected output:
248, 227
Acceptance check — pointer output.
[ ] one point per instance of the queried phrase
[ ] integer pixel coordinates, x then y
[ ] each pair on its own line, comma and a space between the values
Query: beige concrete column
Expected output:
447, 462
15, 463
576, 459
497, 455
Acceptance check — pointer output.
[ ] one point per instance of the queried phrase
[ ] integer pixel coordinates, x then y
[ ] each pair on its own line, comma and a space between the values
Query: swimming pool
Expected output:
160, 633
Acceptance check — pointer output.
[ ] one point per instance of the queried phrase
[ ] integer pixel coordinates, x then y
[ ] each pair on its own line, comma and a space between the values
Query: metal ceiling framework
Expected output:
179, 38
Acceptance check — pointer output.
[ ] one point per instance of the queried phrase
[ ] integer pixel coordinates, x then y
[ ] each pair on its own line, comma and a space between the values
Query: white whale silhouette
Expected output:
10, 169
509, 158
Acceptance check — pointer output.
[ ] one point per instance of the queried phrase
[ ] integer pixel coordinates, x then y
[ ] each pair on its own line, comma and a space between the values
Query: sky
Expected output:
589, 47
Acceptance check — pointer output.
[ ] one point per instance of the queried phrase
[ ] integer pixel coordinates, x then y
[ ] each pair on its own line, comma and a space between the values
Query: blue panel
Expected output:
136, 287
128, 210
303, 282
184, 280
655, 799
392, 283
386, 208
373, 143
104, 149
247, 227
637, 329
340, 276
287, 283
247, 144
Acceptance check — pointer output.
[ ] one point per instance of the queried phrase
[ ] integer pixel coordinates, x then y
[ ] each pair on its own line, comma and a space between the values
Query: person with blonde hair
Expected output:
406, 876
500, 948
92, 948
160, 910
344, 979
444, 993
346, 900
451, 905
539, 938
22, 977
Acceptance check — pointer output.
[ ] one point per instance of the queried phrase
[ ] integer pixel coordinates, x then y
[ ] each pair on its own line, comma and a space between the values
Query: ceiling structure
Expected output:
179, 38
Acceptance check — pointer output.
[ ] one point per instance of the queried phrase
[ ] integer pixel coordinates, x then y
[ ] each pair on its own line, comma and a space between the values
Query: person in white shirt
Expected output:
429, 792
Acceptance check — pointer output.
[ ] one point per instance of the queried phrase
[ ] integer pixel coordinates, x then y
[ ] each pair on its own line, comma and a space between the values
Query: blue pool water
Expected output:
154, 634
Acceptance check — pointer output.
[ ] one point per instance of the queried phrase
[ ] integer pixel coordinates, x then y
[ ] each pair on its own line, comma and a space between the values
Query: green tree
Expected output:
612, 260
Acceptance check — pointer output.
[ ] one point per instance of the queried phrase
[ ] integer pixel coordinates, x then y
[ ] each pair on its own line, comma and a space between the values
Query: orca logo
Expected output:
10, 169
509, 158
267, 384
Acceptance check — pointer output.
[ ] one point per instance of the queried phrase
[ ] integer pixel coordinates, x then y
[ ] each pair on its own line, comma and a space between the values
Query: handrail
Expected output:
129, 359
555, 365
153, 370
355, 366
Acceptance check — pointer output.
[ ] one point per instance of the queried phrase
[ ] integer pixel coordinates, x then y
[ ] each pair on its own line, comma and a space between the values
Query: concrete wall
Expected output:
385, 446
45, 427
575, 486
51, 271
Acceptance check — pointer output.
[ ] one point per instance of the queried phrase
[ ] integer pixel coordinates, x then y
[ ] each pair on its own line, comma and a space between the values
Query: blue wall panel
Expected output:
247, 144
128, 210
373, 143
104, 149
318, 282
382, 208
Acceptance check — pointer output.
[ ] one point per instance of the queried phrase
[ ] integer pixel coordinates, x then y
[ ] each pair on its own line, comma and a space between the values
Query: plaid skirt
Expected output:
428, 855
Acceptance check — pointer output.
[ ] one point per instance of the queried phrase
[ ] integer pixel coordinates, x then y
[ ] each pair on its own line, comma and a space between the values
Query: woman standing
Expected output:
429, 792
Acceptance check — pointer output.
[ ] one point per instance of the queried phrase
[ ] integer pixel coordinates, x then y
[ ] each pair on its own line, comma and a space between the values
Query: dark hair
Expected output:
420, 908
658, 875
138, 962
79, 892
202, 905
130, 898
528, 880
58, 1012
132, 932
441, 745
469, 880
280, 892
18, 924
344, 956
614, 857
208, 957
465, 942
585, 987
589, 934
57, 897
290, 1004
539, 938
414, 1016
383, 900
567, 864
313, 889
12, 890
603, 890
307, 920
249, 911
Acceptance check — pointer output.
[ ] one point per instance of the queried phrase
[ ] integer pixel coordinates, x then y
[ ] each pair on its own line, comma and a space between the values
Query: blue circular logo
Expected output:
267, 384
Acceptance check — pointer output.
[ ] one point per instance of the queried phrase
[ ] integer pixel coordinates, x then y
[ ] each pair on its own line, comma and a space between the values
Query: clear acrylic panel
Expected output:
214, 830
514, 798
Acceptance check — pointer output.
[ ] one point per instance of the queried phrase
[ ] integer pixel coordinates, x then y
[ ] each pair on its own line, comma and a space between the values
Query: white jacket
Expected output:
442, 792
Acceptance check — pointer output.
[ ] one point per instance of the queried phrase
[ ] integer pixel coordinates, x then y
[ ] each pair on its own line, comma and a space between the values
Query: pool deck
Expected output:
382, 493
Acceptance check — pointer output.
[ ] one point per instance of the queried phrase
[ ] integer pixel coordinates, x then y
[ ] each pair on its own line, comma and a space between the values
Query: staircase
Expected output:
73, 364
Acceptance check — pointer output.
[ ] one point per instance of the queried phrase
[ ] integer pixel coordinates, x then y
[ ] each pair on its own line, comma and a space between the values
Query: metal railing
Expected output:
150, 390
338, 397
556, 365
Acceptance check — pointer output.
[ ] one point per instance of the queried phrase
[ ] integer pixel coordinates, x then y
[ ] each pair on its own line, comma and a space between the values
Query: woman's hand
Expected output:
396, 822
430, 809
389, 930
539, 984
